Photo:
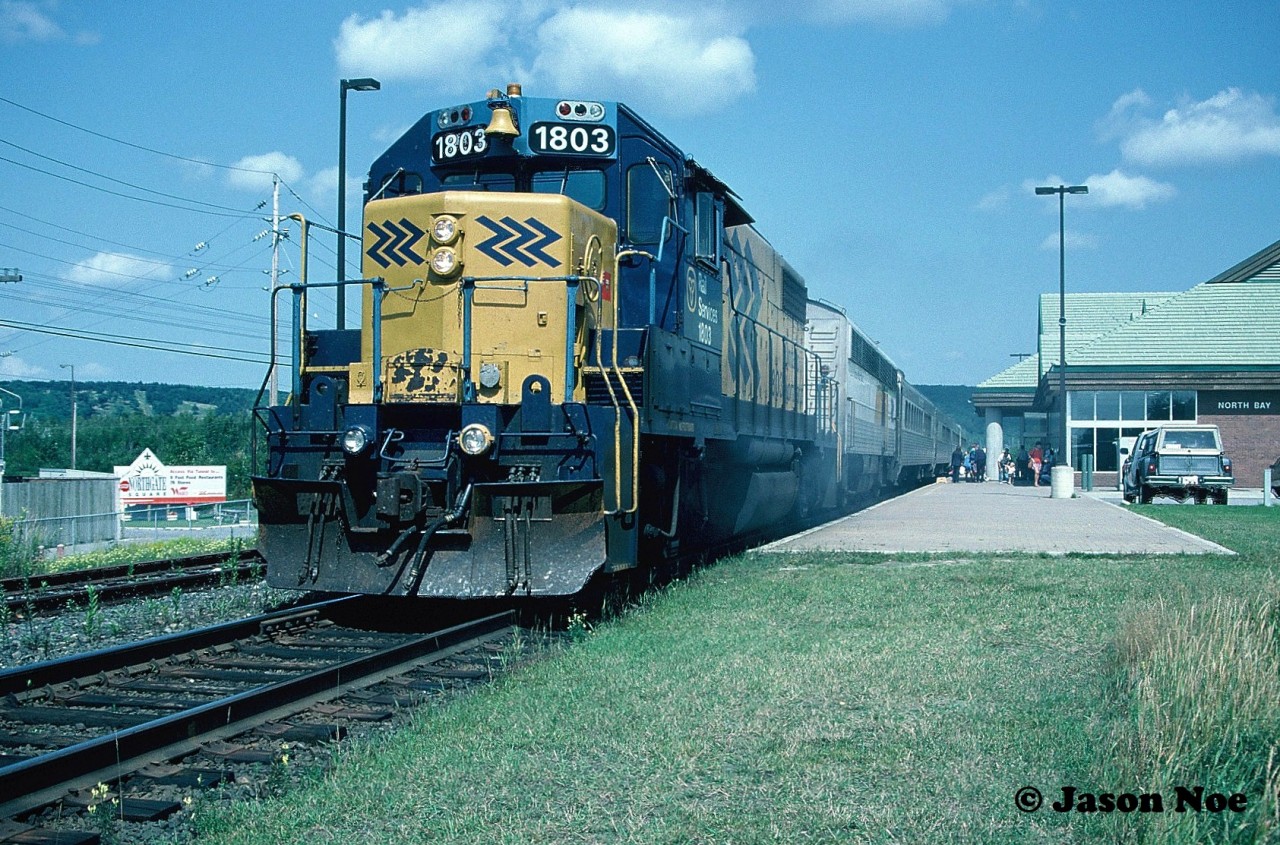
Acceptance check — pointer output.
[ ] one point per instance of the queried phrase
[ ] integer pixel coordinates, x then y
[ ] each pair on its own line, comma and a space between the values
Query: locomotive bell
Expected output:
502, 123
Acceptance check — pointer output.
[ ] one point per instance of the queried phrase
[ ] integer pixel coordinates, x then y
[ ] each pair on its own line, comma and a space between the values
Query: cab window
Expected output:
649, 201
585, 186
398, 184
478, 181
706, 229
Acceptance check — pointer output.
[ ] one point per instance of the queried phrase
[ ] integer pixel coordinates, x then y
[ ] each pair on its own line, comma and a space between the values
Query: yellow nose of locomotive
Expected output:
483, 291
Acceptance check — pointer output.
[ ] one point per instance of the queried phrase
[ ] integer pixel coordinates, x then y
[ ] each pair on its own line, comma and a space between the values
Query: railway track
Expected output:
51, 592
67, 725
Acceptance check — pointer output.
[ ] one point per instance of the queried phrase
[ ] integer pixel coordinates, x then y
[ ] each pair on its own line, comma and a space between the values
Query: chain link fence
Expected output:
56, 536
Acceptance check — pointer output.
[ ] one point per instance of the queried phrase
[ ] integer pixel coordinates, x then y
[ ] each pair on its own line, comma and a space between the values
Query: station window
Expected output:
649, 201
1104, 420
1132, 405
1082, 405
1184, 405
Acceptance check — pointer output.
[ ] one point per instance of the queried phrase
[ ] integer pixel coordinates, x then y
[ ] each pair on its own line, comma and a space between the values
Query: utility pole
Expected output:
275, 283
72, 368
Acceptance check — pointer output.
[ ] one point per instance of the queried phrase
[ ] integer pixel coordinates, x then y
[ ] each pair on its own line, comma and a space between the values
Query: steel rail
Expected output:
32, 783
43, 592
34, 676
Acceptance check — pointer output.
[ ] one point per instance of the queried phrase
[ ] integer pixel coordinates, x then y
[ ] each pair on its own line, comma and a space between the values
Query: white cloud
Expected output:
682, 64
112, 268
28, 20
442, 41
12, 366
256, 170
25, 21
1119, 188
995, 200
669, 57
905, 13
1073, 241
1229, 126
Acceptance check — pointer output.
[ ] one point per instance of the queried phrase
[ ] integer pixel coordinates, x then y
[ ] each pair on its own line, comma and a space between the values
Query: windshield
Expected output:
585, 186
479, 181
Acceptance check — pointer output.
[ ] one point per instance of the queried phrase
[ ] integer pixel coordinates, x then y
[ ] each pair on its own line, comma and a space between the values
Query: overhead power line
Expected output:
128, 143
245, 355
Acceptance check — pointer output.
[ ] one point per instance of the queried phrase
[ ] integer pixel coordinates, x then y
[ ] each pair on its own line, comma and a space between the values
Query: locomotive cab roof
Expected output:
700, 178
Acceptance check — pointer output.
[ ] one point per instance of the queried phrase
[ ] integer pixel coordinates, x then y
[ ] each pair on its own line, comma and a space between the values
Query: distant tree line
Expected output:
183, 425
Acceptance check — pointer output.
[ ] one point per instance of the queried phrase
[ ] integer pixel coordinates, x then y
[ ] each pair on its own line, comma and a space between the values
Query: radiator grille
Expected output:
598, 391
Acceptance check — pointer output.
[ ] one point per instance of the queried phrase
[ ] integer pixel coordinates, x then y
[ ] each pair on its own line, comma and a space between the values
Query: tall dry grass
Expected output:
1199, 692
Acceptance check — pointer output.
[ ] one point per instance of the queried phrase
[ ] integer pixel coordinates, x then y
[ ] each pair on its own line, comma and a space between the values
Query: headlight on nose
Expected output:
444, 229
475, 439
445, 261
356, 439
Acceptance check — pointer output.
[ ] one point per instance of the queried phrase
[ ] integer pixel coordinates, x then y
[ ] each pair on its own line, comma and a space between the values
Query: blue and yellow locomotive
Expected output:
576, 356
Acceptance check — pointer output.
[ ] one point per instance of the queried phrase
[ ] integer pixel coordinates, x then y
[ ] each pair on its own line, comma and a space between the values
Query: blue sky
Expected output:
888, 148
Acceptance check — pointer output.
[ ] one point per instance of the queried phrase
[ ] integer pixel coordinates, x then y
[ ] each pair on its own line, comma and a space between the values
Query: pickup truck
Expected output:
1180, 461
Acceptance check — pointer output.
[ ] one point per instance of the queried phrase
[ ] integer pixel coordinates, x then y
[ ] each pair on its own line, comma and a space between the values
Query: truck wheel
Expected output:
1145, 495
1202, 496
1220, 498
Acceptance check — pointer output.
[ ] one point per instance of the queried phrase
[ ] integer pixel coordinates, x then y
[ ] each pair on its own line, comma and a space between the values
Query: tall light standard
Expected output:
1064, 443
72, 368
362, 84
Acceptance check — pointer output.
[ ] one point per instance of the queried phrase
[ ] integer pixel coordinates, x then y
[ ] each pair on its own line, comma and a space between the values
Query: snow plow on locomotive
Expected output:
575, 356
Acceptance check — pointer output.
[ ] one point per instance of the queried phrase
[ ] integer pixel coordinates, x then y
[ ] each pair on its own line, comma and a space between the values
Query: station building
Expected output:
1210, 354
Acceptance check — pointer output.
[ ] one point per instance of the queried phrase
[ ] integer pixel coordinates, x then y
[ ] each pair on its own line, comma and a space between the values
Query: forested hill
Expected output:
51, 400
183, 424
953, 399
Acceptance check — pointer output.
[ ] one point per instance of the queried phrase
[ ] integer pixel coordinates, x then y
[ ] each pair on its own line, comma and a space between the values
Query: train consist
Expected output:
576, 358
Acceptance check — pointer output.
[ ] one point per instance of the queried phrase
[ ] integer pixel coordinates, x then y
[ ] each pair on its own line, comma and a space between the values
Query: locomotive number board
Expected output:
459, 144
572, 139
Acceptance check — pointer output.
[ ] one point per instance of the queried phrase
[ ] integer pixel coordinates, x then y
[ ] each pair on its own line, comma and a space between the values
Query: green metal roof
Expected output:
1212, 324
1262, 266
1024, 375
1090, 316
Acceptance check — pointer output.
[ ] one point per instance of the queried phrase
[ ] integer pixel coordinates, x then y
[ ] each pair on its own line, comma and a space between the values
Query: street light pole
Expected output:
72, 368
1064, 444
362, 84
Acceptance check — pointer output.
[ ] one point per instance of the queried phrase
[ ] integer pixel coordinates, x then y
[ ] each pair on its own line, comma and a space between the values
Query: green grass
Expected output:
19, 557
842, 698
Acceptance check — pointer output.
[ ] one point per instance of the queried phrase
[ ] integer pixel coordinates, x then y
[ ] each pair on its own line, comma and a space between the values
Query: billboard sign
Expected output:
147, 481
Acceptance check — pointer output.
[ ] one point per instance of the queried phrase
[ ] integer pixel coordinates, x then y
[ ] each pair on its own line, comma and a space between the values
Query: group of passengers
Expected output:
972, 465
1028, 467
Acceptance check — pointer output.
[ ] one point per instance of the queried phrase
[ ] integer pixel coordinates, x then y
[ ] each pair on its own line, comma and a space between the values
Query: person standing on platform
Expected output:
1037, 460
957, 458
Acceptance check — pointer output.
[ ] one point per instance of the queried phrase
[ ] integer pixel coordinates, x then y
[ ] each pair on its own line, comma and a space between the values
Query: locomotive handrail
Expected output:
655, 261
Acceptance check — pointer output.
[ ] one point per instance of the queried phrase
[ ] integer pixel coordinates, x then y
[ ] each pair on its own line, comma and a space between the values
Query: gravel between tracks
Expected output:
79, 629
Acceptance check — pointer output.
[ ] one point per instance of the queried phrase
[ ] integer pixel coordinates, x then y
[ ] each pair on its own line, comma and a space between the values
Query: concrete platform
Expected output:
994, 517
